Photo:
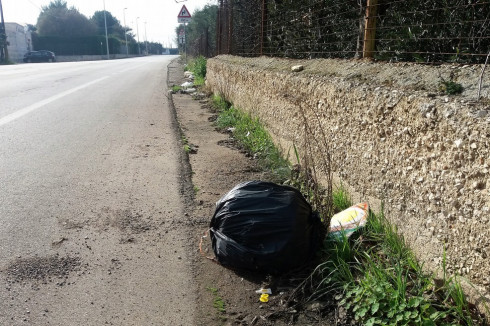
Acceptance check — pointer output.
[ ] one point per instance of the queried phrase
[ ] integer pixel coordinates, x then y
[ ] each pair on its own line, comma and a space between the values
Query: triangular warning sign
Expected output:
184, 13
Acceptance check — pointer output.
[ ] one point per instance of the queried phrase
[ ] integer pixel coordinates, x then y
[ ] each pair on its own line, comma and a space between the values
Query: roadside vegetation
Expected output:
218, 303
252, 137
376, 277
373, 274
198, 67
176, 88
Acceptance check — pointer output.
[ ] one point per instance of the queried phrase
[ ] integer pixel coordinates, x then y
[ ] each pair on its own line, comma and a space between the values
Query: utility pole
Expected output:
138, 33
4, 53
146, 41
106, 37
126, 32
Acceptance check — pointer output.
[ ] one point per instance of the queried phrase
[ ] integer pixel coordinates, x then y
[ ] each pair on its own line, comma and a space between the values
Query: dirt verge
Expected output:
226, 297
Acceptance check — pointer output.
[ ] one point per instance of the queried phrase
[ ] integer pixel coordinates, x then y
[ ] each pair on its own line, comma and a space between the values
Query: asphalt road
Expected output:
91, 211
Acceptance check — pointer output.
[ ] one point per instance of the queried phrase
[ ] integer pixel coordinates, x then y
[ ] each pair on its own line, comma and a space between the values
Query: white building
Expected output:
20, 41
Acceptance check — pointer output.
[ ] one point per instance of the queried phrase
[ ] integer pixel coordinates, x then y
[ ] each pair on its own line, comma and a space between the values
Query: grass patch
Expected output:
199, 81
341, 199
218, 303
176, 88
198, 67
451, 88
252, 136
220, 104
185, 145
378, 279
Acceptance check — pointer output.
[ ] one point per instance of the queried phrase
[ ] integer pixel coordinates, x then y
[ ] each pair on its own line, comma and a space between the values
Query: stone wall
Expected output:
392, 136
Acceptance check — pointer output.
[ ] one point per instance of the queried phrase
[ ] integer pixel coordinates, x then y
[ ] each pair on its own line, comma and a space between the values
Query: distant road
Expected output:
90, 199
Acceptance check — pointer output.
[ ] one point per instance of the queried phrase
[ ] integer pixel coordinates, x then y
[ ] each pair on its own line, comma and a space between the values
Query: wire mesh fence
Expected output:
392, 30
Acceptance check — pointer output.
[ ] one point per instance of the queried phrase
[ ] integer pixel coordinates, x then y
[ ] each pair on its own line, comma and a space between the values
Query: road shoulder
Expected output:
225, 297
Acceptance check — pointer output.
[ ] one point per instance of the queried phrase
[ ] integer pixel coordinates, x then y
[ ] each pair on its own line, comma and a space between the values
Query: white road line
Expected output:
20, 113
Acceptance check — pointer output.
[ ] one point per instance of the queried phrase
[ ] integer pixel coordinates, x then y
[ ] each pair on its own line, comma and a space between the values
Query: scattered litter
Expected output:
262, 226
231, 129
187, 74
187, 85
264, 298
189, 90
297, 68
348, 221
264, 291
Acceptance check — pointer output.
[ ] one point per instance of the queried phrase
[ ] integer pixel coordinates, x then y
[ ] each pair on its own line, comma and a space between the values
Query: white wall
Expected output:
20, 41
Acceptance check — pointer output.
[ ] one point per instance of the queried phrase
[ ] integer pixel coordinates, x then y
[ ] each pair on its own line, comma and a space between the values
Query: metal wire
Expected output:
406, 30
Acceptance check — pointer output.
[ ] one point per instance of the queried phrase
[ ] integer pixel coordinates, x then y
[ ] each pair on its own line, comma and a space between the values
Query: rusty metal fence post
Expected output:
230, 25
263, 26
370, 29
219, 27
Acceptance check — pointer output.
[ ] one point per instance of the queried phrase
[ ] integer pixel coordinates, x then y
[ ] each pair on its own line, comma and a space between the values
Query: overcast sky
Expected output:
160, 15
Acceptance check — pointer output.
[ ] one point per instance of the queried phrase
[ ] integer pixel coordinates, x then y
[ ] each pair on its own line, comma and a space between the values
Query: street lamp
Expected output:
106, 37
125, 32
138, 34
146, 41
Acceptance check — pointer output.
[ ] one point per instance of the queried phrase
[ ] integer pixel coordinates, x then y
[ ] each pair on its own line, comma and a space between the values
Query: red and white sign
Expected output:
184, 15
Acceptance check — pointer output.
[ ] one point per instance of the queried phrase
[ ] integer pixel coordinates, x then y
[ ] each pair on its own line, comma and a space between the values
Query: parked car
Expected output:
39, 56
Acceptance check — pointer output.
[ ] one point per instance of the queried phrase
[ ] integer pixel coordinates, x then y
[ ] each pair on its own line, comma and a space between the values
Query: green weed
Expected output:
252, 136
199, 81
218, 302
451, 88
176, 88
341, 199
185, 144
381, 283
220, 104
198, 67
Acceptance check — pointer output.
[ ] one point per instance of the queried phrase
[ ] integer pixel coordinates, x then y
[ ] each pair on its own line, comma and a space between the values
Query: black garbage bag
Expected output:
262, 226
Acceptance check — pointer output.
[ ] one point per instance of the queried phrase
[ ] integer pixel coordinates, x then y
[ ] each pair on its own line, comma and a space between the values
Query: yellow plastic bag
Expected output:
348, 221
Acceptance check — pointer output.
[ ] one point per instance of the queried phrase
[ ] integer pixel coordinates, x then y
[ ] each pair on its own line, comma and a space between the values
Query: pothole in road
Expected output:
128, 221
42, 268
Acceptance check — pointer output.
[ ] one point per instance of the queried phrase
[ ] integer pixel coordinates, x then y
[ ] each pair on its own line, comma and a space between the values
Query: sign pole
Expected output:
106, 37
184, 17
185, 44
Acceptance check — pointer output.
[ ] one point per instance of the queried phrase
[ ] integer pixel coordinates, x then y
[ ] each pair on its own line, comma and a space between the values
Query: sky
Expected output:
160, 15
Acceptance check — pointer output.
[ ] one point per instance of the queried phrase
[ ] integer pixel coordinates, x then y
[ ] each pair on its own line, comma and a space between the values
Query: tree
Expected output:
114, 27
56, 19
155, 48
31, 28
